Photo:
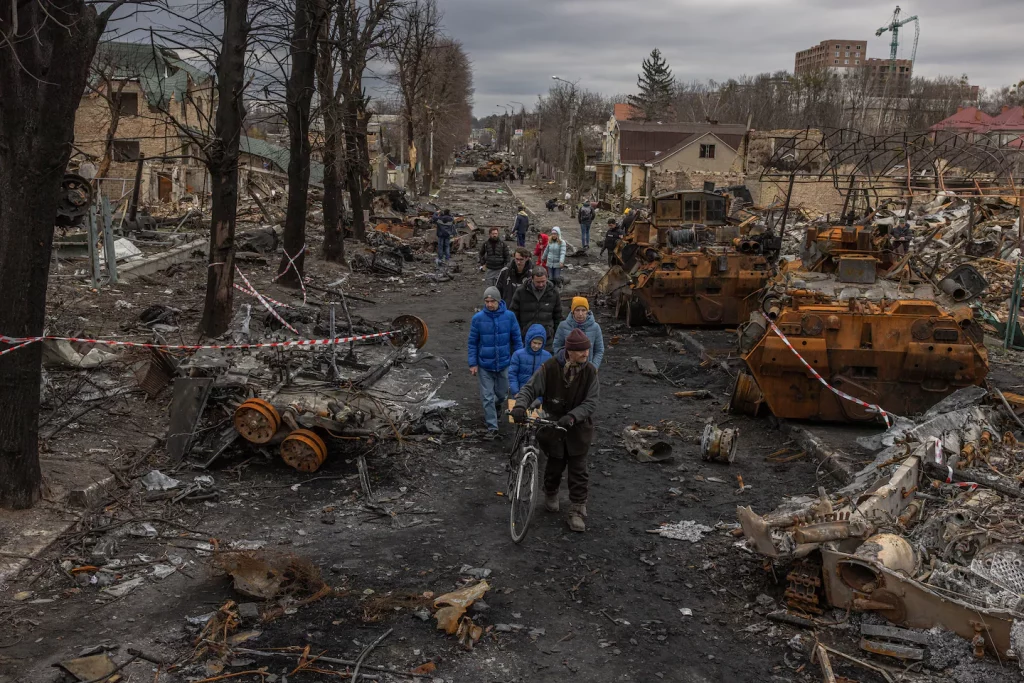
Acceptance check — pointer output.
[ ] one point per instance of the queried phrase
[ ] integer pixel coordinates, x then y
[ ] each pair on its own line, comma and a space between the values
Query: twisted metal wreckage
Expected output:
931, 533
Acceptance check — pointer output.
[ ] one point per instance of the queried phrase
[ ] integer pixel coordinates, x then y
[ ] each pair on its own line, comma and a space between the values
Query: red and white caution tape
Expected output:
266, 304
252, 292
25, 341
837, 392
298, 274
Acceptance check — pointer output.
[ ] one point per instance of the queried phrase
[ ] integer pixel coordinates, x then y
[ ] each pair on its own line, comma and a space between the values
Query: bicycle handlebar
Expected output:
541, 422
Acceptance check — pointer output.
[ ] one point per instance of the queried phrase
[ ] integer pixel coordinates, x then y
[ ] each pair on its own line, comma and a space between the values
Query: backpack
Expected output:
586, 213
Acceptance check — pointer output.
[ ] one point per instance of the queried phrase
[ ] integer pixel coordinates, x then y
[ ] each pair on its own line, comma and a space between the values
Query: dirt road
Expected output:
614, 604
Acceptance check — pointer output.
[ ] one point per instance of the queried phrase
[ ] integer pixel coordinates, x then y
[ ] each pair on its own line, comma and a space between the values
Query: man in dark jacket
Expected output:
514, 274
538, 302
493, 256
445, 232
521, 227
493, 337
568, 383
611, 240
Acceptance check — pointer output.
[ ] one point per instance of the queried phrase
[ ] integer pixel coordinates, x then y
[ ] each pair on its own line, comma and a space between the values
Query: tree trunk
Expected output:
334, 236
299, 92
357, 157
223, 166
410, 133
41, 90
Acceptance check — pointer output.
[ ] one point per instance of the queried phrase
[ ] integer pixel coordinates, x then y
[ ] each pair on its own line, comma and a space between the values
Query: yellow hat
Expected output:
627, 210
578, 301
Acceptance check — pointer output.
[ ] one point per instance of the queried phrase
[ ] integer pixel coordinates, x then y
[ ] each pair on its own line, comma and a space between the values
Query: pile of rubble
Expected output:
929, 535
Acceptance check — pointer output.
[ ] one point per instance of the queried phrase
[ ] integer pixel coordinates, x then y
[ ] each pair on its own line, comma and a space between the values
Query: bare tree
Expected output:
365, 27
223, 165
45, 51
306, 26
417, 27
333, 148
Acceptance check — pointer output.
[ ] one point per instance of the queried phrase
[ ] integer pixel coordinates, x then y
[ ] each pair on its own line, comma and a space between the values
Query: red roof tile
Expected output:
968, 118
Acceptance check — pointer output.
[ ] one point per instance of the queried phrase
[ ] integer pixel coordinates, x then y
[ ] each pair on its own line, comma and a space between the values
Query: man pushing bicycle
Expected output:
568, 383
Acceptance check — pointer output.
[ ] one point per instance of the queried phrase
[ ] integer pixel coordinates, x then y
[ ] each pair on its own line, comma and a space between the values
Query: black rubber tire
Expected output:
523, 498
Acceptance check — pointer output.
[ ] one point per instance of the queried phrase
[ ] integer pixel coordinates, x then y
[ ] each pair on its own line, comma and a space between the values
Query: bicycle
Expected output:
521, 489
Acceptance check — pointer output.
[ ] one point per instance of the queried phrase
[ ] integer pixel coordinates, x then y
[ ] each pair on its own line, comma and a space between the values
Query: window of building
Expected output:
847, 53
846, 61
858, 47
707, 151
125, 150
126, 103
857, 61
837, 47
837, 53
715, 210
836, 61
847, 47
691, 210
857, 54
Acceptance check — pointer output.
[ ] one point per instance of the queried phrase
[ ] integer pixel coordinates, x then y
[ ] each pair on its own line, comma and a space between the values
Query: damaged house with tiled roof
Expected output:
145, 101
641, 157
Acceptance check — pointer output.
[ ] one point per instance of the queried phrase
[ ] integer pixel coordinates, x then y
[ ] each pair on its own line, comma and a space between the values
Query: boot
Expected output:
577, 511
551, 501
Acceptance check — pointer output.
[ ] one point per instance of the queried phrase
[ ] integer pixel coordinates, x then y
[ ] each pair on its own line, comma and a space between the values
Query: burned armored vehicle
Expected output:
855, 329
684, 264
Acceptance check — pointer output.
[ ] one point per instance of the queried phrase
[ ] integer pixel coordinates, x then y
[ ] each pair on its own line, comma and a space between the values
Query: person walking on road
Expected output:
538, 249
522, 226
538, 302
528, 359
493, 256
586, 218
554, 254
611, 240
514, 274
445, 232
581, 318
569, 385
493, 337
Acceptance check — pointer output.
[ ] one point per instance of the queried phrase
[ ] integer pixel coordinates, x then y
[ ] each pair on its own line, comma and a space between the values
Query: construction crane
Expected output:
894, 26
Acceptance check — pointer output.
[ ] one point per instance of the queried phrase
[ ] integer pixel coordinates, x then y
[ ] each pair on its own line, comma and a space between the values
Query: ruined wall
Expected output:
156, 133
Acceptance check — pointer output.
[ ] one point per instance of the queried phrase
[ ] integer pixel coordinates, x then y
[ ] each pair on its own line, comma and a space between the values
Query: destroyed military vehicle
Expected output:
686, 265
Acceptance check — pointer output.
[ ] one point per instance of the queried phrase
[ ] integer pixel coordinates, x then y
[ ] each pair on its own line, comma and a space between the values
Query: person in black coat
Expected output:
494, 255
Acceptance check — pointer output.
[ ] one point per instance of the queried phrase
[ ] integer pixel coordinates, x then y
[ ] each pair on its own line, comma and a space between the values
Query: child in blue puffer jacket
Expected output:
528, 359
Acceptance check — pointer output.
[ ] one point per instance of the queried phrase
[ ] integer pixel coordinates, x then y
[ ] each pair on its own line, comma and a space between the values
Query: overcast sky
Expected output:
516, 45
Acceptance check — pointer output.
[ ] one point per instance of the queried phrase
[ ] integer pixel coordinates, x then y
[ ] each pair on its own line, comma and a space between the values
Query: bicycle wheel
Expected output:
523, 496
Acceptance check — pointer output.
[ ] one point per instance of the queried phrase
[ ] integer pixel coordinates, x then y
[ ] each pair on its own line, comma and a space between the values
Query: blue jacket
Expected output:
590, 328
493, 338
554, 254
522, 225
526, 361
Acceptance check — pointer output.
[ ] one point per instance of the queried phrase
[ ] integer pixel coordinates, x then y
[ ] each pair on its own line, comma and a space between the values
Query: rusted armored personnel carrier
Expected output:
495, 171
685, 265
855, 328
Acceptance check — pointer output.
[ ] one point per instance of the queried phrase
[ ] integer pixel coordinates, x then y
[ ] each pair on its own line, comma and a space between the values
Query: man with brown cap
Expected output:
568, 383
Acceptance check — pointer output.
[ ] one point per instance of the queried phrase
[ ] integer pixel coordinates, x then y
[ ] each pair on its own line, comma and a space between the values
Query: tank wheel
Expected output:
304, 450
256, 421
412, 330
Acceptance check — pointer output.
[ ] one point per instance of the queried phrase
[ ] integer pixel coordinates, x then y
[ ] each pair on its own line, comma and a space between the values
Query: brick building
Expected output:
836, 55
143, 99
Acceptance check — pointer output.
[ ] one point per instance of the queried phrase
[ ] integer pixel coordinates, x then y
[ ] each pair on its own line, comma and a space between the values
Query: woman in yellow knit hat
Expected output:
581, 318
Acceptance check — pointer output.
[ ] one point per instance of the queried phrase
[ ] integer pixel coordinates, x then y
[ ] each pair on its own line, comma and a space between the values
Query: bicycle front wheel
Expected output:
523, 495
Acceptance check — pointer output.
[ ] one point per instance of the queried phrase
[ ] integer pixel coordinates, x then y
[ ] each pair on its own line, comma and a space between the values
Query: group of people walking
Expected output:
507, 352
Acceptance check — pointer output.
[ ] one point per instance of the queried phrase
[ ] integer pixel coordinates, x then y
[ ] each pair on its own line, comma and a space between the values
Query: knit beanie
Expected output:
577, 341
578, 301
492, 293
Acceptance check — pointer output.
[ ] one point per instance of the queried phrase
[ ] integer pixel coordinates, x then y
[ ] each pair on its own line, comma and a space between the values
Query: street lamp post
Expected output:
522, 154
